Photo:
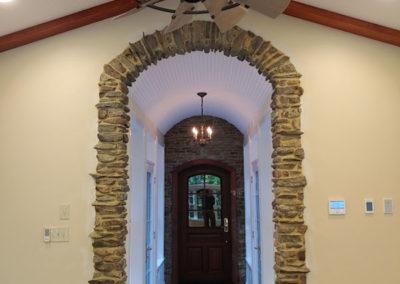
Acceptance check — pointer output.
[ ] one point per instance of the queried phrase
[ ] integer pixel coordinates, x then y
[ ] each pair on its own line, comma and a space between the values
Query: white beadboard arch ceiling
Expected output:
166, 92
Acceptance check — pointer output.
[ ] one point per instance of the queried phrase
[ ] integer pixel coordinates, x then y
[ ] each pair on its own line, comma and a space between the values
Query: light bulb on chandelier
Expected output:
202, 134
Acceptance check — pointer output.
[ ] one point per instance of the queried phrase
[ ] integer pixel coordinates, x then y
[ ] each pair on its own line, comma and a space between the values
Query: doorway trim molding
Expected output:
111, 177
175, 193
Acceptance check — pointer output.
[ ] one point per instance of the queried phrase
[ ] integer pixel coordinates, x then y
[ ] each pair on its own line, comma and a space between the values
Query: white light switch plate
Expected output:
60, 234
388, 205
64, 212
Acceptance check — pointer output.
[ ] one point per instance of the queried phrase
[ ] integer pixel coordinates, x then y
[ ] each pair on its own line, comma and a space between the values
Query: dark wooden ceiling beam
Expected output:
116, 7
67, 23
344, 23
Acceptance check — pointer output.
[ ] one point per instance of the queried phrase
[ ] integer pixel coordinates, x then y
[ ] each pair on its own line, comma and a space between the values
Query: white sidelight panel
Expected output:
160, 167
247, 206
256, 225
146, 205
137, 205
258, 205
149, 228
266, 198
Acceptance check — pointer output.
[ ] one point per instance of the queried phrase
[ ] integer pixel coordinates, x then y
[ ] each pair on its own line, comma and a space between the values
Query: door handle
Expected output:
226, 225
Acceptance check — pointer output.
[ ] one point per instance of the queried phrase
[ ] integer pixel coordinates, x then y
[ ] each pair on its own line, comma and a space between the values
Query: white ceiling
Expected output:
20, 14
382, 12
166, 92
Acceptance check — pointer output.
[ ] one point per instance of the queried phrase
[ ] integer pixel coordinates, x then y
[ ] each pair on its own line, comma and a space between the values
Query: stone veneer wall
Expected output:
111, 175
226, 147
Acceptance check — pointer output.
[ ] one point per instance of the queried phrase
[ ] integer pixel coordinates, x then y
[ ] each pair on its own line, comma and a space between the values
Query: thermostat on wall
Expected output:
337, 207
369, 206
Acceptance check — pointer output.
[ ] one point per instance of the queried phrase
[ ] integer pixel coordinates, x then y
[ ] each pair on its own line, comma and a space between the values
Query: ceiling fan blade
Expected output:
214, 6
179, 19
229, 18
130, 12
137, 9
271, 8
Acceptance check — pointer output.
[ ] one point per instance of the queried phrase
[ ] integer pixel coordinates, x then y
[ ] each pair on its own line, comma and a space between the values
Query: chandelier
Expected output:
202, 134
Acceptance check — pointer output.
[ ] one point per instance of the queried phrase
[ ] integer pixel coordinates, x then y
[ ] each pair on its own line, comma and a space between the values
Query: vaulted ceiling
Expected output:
383, 12
20, 14
166, 92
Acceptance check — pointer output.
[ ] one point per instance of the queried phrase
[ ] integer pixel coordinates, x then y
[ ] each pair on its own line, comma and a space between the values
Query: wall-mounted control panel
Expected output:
337, 207
369, 206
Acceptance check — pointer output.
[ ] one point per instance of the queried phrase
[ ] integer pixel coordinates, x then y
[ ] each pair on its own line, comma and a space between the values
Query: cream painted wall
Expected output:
48, 127
350, 120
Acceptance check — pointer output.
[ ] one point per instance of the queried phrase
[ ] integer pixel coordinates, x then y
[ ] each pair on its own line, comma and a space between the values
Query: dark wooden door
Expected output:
204, 244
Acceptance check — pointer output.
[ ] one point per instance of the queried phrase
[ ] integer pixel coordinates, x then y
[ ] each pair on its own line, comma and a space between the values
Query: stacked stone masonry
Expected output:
111, 175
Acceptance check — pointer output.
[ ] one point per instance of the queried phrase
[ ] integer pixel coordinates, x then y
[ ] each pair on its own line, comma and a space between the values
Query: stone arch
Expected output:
111, 175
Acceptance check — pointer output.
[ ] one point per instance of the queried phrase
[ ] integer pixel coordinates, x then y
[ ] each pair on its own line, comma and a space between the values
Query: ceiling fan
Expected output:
225, 13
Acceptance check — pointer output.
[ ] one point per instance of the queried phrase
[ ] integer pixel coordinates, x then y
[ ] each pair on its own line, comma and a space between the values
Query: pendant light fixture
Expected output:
202, 134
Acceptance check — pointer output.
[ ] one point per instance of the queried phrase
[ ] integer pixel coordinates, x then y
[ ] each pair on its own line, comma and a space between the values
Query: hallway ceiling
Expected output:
166, 92
20, 14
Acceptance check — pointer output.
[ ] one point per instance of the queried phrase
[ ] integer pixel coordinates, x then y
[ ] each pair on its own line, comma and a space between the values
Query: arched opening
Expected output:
165, 96
109, 237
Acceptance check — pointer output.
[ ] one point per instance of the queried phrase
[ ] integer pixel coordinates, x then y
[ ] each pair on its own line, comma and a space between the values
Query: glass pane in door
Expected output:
204, 201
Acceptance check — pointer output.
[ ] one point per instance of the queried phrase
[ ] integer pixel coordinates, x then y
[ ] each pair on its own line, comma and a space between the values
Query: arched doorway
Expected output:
204, 206
112, 178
